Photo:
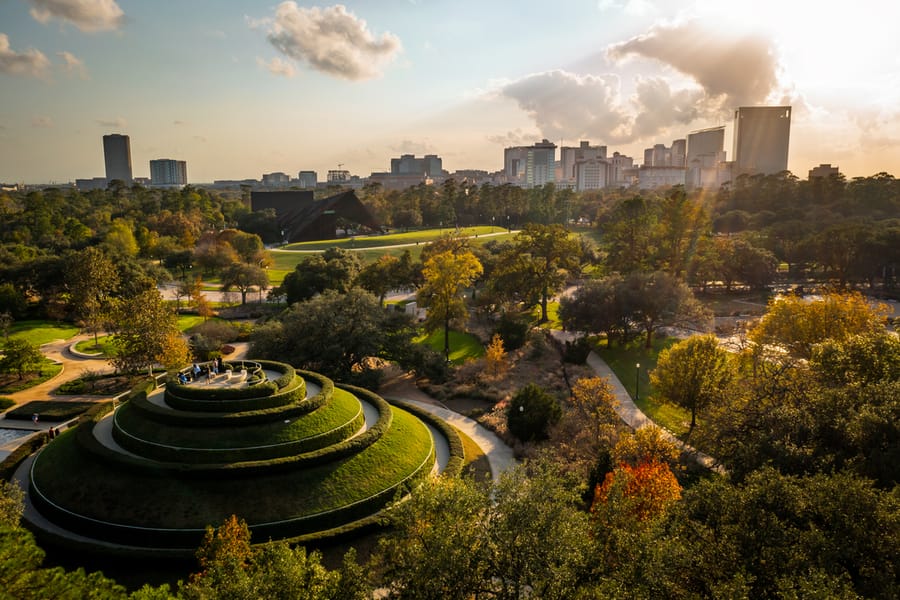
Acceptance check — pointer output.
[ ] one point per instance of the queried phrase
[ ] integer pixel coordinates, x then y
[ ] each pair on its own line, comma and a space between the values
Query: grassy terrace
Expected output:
342, 409
75, 481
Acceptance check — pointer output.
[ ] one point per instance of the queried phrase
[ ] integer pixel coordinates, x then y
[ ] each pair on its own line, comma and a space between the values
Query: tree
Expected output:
244, 277
538, 264
628, 235
595, 307
531, 412
681, 222
641, 492
91, 280
334, 269
495, 357
12, 503
646, 444
21, 356
863, 359
656, 300
797, 324
445, 275
334, 334
692, 374
382, 276
120, 241
145, 332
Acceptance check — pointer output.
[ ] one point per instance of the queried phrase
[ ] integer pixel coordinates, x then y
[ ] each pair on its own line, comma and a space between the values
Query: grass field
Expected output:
463, 346
377, 241
42, 332
623, 361
552, 315
10, 383
104, 346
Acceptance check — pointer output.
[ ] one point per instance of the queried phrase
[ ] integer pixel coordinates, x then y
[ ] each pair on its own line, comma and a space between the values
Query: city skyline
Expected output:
242, 89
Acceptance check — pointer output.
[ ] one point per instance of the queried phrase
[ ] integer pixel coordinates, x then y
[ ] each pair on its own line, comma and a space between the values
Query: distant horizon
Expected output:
241, 89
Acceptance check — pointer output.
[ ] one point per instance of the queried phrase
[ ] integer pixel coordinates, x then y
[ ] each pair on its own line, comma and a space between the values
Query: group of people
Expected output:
211, 370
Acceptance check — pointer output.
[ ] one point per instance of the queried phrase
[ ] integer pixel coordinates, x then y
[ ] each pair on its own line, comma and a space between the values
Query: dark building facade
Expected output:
117, 156
303, 218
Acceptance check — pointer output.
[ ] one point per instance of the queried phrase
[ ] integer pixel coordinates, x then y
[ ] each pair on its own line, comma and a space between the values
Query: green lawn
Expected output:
552, 314
463, 346
104, 346
10, 383
623, 361
42, 332
377, 241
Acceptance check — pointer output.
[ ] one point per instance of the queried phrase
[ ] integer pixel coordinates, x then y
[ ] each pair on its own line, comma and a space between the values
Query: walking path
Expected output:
500, 456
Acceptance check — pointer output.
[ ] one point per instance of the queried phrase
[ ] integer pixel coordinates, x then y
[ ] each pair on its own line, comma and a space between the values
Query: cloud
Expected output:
658, 107
514, 138
86, 15
73, 65
276, 66
331, 40
636, 8
178, 122
411, 147
43, 122
117, 123
30, 63
736, 70
568, 105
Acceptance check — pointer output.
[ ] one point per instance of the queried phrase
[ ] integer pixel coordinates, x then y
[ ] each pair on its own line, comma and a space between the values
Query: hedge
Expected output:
165, 453
187, 417
343, 449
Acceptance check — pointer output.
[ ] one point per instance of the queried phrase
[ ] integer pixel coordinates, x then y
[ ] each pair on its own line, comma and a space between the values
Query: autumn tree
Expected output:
495, 363
641, 492
146, 332
797, 324
446, 274
692, 374
647, 444
20, 357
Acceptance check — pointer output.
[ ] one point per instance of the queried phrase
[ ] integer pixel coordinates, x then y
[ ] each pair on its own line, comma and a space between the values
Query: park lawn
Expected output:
463, 346
622, 361
49, 410
552, 315
377, 241
10, 383
104, 346
42, 332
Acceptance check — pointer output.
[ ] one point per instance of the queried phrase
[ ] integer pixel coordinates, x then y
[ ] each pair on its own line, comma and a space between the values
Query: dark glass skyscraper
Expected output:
117, 154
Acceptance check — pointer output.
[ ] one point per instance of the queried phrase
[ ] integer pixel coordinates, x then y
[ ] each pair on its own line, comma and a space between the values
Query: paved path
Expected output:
499, 455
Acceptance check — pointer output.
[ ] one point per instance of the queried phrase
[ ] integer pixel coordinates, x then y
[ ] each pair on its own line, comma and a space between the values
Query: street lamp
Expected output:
492, 223
637, 381
508, 228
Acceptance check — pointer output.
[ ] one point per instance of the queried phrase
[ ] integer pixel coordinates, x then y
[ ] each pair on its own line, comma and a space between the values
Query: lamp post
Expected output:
508, 227
637, 381
492, 223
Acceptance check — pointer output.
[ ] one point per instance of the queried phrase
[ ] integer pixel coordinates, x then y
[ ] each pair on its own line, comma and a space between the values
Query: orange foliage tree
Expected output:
641, 492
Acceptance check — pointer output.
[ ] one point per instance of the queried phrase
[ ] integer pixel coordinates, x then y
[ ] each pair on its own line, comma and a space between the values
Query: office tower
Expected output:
307, 179
530, 166
591, 174
705, 151
761, 138
678, 153
165, 171
276, 179
824, 171
117, 155
619, 168
430, 165
570, 155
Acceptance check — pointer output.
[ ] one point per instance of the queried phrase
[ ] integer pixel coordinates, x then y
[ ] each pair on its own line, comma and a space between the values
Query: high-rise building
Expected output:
570, 155
541, 166
678, 153
430, 165
276, 179
824, 171
761, 138
307, 179
166, 172
705, 151
117, 156
619, 168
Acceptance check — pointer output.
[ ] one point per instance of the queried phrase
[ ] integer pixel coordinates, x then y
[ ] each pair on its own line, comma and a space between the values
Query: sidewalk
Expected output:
634, 416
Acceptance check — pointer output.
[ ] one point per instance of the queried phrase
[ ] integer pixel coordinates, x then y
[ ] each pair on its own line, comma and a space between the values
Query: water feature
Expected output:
8, 435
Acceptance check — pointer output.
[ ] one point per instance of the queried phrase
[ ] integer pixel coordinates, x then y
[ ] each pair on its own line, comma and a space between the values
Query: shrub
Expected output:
577, 352
531, 412
6, 403
513, 330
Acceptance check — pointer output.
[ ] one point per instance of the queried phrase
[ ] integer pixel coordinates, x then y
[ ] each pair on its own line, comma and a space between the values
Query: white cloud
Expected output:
117, 123
73, 65
42, 122
411, 147
635, 8
30, 63
86, 15
515, 137
741, 69
331, 40
276, 66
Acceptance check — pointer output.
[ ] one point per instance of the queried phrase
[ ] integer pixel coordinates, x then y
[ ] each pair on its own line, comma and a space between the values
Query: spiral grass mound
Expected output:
288, 451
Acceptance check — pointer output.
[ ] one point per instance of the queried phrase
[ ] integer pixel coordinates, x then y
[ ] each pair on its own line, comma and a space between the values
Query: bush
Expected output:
577, 352
531, 412
513, 330
6, 403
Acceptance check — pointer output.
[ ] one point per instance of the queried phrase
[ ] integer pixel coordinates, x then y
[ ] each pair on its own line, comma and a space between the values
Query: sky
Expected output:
242, 88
